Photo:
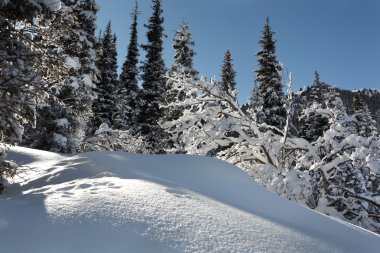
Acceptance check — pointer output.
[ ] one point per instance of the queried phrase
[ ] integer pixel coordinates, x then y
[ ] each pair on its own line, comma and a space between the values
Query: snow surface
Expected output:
72, 63
52, 5
120, 202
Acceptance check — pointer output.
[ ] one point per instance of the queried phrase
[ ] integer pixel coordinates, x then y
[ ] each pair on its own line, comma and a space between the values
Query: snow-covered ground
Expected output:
120, 202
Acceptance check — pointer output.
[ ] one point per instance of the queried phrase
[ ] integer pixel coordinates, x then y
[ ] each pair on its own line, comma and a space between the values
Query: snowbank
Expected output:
119, 202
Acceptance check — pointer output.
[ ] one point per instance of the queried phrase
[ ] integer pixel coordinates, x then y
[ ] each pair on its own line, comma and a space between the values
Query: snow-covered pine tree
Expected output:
126, 117
21, 74
153, 69
366, 125
183, 50
313, 120
367, 154
181, 74
339, 178
228, 89
228, 83
109, 139
268, 97
63, 117
212, 114
107, 87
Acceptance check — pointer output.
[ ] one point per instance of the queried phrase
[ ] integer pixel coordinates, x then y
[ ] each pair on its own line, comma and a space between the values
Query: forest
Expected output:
60, 91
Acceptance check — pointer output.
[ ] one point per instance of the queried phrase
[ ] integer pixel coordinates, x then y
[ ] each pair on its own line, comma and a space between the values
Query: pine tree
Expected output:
21, 81
182, 68
127, 105
154, 80
181, 74
313, 121
341, 169
366, 126
268, 97
367, 155
104, 106
228, 87
184, 52
63, 117
228, 83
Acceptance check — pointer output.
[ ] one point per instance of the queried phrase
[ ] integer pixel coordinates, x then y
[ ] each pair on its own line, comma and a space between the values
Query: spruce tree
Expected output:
128, 83
344, 168
357, 103
63, 117
183, 48
154, 80
104, 105
228, 83
182, 70
366, 125
22, 83
228, 88
268, 97
313, 121
368, 155
181, 75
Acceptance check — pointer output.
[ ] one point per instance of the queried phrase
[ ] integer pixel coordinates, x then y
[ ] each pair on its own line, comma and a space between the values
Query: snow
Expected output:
87, 80
72, 63
121, 202
62, 122
60, 139
52, 5
102, 129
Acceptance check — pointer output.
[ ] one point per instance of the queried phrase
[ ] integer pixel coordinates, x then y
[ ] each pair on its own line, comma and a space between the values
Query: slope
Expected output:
120, 202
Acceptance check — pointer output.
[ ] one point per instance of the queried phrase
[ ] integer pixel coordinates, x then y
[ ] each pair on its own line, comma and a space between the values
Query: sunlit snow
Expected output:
119, 202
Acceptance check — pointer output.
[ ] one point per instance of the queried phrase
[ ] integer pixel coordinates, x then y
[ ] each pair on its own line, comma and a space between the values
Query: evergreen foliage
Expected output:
47, 76
267, 96
22, 84
104, 105
127, 105
371, 98
228, 82
63, 117
153, 77
183, 50
313, 120
366, 126
181, 71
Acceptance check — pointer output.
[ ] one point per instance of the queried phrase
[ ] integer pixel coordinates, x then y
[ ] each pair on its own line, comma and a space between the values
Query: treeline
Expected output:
61, 92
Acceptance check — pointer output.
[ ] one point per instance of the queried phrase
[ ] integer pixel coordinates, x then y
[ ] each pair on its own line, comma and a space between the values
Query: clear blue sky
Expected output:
339, 38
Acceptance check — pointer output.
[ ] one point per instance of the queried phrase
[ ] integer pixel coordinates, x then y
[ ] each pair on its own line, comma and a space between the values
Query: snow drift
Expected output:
120, 202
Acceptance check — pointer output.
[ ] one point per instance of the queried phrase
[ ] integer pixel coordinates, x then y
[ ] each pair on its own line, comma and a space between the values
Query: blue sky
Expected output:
339, 38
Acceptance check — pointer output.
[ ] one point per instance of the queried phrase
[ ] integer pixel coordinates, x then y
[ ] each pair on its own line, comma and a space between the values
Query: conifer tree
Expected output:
268, 97
227, 87
128, 83
343, 167
104, 105
228, 83
366, 126
154, 80
368, 155
184, 52
21, 73
313, 121
182, 70
63, 117
181, 74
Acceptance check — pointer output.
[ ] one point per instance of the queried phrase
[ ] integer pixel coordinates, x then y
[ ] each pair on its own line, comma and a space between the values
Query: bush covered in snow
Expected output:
109, 139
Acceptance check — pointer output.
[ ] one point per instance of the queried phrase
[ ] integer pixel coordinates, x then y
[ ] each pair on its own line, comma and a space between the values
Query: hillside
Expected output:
120, 202
370, 96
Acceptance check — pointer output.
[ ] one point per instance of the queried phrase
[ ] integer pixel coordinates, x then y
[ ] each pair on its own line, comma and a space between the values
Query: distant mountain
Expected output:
370, 96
